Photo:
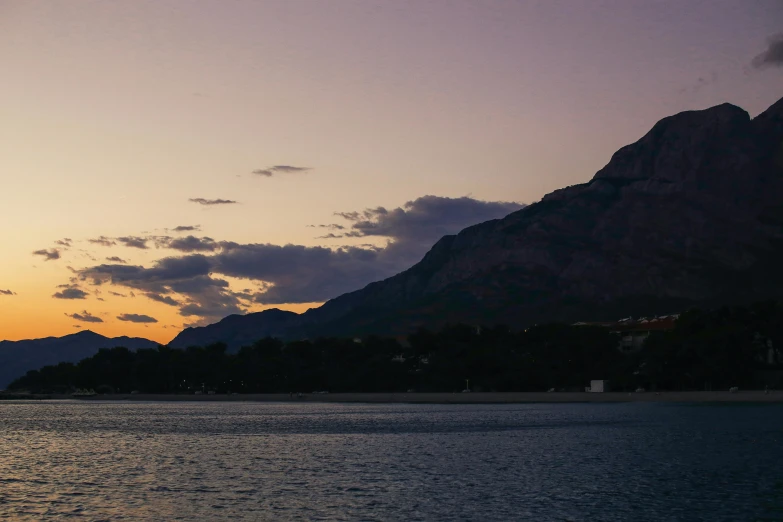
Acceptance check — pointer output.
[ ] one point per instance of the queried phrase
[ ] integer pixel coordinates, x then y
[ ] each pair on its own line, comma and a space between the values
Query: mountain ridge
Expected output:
19, 357
237, 330
690, 214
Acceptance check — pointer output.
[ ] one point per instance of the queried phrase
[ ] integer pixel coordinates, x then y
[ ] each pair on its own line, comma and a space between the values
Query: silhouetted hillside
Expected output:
17, 357
689, 215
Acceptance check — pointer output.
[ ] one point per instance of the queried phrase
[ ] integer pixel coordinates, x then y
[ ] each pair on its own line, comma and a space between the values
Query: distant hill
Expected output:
18, 357
689, 215
240, 330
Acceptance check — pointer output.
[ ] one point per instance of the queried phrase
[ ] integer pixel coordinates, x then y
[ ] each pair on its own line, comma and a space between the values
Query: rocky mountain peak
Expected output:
691, 214
688, 214
681, 148
775, 111
769, 125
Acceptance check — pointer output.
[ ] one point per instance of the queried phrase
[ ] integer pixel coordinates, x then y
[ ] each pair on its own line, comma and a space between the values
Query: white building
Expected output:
598, 386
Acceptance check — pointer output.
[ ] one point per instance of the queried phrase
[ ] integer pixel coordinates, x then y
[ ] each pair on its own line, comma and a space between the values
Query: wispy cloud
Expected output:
187, 276
331, 226
279, 169
187, 228
209, 202
298, 273
49, 255
115, 259
71, 293
64, 242
772, 55
85, 317
6, 292
189, 244
165, 299
137, 318
103, 241
134, 242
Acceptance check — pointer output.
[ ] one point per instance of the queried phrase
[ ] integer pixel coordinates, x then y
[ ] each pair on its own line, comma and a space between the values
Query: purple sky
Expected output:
122, 119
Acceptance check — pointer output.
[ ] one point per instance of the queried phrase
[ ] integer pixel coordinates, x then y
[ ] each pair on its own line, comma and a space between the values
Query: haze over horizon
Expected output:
167, 164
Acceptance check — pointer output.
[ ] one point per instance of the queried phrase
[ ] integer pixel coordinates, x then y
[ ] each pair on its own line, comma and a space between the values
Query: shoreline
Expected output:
432, 398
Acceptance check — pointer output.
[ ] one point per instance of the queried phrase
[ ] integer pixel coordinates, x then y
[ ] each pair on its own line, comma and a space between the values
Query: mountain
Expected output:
240, 330
18, 357
689, 215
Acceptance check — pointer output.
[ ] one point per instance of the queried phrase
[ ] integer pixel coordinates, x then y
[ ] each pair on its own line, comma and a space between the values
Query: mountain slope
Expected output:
18, 357
690, 214
240, 330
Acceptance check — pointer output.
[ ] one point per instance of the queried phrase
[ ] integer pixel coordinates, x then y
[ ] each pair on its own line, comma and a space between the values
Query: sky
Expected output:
166, 163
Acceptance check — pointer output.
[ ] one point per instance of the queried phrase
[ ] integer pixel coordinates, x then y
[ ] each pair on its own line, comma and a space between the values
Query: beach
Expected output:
435, 398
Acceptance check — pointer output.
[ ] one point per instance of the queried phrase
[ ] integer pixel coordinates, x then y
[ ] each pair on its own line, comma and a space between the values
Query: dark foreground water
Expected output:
216, 461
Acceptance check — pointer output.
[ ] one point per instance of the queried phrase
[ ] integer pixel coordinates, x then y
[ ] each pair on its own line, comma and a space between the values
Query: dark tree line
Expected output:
716, 349
730, 346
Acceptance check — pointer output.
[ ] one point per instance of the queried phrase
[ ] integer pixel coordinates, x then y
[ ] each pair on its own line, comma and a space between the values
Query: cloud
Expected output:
65, 242
300, 274
772, 55
6, 292
103, 241
162, 299
427, 217
332, 226
190, 244
289, 168
137, 318
311, 274
330, 235
277, 169
417, 225
86, 317
296, 273
164, 272
115, 259
202, 201
187, 228
187, 276
117, 294
134, 242
49, 255
71, 293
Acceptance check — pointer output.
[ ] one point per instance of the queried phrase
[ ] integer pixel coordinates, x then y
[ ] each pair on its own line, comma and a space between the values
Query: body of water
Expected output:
255, 461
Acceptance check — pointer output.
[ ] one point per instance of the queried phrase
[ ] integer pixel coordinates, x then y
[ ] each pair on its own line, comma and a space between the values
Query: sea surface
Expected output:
306, 461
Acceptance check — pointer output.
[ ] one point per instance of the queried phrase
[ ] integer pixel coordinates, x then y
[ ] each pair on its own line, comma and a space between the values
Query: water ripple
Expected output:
208, 461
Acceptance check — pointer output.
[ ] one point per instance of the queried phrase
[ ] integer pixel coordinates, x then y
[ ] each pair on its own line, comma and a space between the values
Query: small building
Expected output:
598, 386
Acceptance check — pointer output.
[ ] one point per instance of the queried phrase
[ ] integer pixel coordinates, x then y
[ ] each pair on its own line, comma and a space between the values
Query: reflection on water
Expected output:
208, 461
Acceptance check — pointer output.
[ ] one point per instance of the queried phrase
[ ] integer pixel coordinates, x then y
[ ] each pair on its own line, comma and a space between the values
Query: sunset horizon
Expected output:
498, 260
166, 166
